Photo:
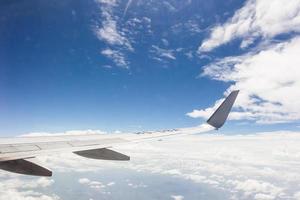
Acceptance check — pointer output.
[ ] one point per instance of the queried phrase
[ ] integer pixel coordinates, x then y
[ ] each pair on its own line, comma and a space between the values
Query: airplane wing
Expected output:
16, 153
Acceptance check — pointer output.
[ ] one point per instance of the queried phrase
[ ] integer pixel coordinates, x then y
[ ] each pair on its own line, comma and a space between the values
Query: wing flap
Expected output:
103, 154
22, 166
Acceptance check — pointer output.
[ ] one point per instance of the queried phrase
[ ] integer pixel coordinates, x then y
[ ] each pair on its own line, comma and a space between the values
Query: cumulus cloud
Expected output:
13, 188
257, 18
262, 190
269, 80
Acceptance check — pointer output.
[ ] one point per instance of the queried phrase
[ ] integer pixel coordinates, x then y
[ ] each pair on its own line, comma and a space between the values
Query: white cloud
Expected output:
257, 18
72, 132
41, 182
12, 188
269, 81
162, 54
259, 166
192, 26
297, 195
189, 55
135, 186
109, 31
83, 180
110, 183
177, 197
126, 8
95, 184
168, 5
165, 42
247, 167
108, 2
137, 26
117, 56
91, 184
262, 190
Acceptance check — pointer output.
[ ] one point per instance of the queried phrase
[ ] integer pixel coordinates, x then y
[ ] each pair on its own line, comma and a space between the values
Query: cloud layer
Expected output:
260, 166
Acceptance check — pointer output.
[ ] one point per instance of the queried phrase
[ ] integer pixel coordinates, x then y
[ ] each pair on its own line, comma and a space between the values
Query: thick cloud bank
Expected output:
259, 166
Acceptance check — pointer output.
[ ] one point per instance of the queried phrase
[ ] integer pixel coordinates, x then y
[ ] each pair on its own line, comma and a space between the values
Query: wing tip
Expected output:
219, 117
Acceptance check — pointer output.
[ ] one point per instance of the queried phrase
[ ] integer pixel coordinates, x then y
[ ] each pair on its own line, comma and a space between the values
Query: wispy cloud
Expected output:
161, 54
126, 7
109, 31
257, 18
192, 26
117, 56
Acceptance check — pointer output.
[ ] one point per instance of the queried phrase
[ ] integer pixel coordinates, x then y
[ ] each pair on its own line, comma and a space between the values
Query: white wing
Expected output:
15, 153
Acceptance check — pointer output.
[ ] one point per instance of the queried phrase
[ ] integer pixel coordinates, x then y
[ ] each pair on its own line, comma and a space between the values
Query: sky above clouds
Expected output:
139, 65
102, 66
143, 65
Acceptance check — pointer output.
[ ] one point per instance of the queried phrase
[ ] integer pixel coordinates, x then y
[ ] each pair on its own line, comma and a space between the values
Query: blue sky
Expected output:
118, 65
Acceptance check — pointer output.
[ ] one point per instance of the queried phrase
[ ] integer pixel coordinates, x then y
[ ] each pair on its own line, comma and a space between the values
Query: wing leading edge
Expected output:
16, 153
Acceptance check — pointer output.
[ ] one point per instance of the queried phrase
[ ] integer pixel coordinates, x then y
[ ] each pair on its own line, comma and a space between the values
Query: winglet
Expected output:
220, 115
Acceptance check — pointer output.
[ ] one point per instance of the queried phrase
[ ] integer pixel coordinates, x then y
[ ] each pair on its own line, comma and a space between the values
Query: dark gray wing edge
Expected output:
219, 117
